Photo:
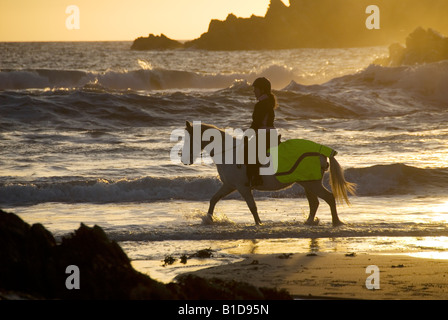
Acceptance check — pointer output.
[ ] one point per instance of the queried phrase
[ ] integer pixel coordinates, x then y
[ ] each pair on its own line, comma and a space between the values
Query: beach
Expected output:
340, 276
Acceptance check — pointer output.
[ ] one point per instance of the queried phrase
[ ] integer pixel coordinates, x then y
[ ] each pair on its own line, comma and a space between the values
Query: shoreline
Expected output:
339, 275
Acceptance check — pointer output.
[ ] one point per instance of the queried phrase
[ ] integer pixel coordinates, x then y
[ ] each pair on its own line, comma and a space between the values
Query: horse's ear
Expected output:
188, 124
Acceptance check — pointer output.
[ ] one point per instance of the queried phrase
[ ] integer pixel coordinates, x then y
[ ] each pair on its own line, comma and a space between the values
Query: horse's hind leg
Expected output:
319, 190
221, 193
313, 201
248, 196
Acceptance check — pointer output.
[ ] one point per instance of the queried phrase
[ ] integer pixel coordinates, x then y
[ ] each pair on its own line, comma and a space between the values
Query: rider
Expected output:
262, 118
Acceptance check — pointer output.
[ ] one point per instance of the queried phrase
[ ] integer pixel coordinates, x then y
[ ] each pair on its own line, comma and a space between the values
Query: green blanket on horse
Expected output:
300, 160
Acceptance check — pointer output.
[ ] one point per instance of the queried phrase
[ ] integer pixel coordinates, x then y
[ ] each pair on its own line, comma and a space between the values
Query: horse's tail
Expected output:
339, 185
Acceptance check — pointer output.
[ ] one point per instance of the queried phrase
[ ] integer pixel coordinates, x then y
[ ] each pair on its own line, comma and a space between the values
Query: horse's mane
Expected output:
211, 126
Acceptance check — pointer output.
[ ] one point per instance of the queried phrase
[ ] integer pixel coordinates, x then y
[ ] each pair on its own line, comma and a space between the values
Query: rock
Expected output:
153, 42
196, 288
33, 265
106, 270
317, 24
23, 250
422, 46
425, 46
204, 253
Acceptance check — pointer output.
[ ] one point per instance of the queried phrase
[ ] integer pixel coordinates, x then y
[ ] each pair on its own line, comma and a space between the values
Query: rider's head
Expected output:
261, 86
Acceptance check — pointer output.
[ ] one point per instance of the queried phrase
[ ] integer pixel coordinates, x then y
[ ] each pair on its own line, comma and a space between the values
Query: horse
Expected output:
234, 178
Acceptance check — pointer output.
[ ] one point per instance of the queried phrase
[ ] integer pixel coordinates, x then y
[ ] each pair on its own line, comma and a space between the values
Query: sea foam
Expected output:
395, 179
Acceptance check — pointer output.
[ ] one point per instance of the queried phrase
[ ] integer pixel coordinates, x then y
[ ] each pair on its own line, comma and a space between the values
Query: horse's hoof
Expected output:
338, 223
312, 223
208, 219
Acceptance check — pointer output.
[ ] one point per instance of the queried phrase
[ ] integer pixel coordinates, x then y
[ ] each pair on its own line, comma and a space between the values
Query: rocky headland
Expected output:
153, 42
421, 46
313, 24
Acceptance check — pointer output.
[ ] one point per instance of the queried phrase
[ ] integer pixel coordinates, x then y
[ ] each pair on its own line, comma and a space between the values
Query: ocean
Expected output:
85, 138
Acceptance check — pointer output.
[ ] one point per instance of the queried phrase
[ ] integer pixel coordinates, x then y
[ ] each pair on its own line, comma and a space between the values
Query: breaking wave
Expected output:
396, 179
142, 79
399, 89
88, 97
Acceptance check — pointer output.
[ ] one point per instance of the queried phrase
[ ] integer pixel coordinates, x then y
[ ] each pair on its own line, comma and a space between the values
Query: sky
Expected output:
108, 20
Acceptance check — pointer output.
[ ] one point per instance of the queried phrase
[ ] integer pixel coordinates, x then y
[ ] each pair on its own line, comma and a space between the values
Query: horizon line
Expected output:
15, 41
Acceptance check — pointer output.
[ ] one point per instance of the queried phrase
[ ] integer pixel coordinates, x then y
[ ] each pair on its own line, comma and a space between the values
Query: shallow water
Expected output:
148, 232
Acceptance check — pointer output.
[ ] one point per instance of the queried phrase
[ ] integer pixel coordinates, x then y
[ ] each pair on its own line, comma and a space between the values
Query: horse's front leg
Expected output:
221, 193
248, 196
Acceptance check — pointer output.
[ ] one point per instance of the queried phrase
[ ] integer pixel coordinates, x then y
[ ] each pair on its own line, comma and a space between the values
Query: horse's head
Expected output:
193, 143
187, 149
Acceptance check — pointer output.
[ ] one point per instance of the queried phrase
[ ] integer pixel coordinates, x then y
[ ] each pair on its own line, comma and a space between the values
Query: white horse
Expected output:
234, 177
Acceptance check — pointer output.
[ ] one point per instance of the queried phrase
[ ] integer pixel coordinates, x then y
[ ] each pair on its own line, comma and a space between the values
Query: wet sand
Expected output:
341, 276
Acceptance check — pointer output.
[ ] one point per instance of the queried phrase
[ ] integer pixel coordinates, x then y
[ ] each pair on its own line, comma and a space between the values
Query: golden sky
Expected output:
45, 20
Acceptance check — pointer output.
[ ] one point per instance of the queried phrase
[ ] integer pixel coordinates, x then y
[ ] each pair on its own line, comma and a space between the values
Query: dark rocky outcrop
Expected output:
33, 265
153, 42
422, 46
192, 287
322, 23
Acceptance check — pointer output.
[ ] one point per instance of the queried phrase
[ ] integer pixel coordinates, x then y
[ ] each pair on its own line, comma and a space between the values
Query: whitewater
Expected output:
85, 138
